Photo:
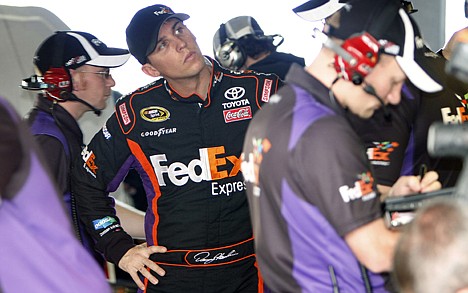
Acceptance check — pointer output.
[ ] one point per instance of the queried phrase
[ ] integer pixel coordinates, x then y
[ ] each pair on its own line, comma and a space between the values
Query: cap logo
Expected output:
419, 42
164, 10
96, 42
76, 60
389, 47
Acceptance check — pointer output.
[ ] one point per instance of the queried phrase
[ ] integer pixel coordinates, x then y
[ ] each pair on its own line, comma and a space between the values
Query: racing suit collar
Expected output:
216, 76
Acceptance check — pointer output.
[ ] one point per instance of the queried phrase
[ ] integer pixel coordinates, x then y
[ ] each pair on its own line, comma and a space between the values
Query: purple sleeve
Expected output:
335, 172
10, 148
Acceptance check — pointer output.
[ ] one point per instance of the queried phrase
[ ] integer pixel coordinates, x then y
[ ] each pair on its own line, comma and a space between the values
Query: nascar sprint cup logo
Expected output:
155, 114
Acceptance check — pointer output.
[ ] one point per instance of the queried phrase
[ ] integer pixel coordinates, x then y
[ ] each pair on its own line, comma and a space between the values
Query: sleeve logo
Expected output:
103, 223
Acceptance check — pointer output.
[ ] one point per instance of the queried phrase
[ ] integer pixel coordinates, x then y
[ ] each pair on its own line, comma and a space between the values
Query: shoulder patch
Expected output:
125, 115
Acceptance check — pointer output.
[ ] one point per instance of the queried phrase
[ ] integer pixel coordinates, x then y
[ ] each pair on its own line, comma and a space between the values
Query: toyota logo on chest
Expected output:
234, 93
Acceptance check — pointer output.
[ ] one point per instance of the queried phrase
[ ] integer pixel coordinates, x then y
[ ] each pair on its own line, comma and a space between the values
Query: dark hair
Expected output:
253, 46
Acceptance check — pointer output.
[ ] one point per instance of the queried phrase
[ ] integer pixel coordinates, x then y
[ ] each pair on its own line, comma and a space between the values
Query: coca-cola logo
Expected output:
238, 114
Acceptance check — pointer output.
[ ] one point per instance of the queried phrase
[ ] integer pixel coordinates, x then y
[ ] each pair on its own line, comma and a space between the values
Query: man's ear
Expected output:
149, 69
76, 79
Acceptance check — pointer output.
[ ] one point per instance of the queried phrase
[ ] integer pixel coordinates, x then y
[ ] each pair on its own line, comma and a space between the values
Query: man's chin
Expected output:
366, 114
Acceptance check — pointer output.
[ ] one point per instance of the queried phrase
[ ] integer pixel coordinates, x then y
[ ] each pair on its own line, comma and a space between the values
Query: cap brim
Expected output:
316, 10
106, 57
418, 76
113, 57
181, 16
408, 62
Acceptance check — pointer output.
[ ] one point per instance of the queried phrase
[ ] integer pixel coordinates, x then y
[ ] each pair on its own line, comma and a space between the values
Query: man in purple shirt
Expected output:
39, 250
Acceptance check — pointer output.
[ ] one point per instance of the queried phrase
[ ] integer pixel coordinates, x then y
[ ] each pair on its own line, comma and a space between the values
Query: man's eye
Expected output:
162, 45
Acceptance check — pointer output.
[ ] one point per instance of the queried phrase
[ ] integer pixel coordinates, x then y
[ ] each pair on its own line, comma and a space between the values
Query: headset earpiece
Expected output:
58, 81
364, 50
229, 54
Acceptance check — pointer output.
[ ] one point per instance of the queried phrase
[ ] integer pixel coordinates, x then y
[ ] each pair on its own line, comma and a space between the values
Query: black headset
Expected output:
229, 54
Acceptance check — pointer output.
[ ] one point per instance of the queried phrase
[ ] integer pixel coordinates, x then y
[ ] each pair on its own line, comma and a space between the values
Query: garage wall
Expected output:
431, 20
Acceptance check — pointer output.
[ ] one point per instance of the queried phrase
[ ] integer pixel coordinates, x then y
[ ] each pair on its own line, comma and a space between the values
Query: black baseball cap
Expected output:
72, 49
143, 30
395, 30
316, 10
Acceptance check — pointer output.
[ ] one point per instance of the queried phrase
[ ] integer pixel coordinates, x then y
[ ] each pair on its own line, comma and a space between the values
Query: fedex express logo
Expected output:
459, 115
251, 162
363, 188
380, 153
213, 164
88, 158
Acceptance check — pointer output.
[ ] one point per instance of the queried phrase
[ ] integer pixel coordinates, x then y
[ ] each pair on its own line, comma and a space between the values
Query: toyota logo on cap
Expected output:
234, 93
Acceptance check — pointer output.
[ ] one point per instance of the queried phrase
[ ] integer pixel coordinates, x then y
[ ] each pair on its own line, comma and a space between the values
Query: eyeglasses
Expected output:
104, 74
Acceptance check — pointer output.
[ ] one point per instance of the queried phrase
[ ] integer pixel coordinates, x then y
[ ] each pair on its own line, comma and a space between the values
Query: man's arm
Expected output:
56, 156
373, 243
95, 172
99, 169
132, 219
10, 149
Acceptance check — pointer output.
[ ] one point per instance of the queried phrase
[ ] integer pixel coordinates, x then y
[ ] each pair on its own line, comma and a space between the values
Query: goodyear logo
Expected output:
103, 223
155, 114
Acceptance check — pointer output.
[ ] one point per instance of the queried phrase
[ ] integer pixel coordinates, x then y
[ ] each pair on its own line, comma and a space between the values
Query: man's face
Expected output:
387, 79
93, 85
177, 55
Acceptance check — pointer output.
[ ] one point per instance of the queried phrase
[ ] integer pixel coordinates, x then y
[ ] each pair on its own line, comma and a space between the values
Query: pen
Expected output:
422, 171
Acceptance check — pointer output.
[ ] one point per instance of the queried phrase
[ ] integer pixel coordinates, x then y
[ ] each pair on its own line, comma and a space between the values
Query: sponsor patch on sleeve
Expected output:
362, 189
266, 90
103, 223
124, 114
89, 164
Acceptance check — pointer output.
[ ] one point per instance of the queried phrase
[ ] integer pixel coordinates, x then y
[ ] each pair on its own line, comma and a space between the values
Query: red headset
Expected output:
55, 81
56, 78
364, 52
58, 82
359, 54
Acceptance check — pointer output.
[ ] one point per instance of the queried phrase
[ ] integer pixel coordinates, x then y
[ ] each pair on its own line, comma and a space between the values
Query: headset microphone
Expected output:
371, 91
35, 83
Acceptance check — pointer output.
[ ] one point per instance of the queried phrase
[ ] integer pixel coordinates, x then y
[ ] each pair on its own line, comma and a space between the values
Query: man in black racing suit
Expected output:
186, 146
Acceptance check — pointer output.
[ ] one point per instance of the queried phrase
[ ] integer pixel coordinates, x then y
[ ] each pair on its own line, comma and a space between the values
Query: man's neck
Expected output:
75, 109
250, 61
193, 85
322, 67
